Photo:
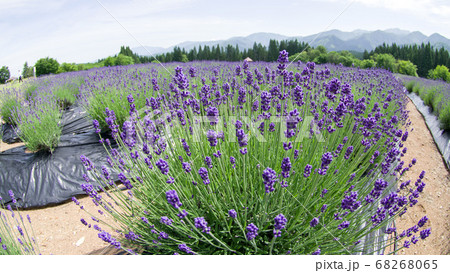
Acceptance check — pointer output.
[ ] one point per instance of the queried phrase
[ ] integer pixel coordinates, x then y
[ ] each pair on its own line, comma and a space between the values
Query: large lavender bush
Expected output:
254, 158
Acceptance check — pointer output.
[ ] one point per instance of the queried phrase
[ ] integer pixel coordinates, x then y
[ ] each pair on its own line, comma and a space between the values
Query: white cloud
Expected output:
424, 7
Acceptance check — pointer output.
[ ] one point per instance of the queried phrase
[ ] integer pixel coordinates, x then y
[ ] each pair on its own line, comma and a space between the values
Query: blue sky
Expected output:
86, 30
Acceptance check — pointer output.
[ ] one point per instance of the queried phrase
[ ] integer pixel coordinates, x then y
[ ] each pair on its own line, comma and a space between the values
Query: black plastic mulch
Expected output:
40, 179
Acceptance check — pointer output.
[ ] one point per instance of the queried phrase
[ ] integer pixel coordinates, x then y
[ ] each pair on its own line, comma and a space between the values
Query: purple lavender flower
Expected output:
186, 147
212, 115
181, 79
105, 236
208, 162
86, 162
232, 213
283, 59
186, 167
326, 160
348, 152
406, 244
170, 180
266, 99
166, 220
96, 125
422, 221
297, 95
182, 214
422, 175
212, 138
129, 134
349, 202
163, 235
131, 236
173, 199
163, 166
252, 231
269, 177
201, 223
203, 172
233, 161
13, 198
185, 248
425, 233
317, 252
314, 222
343, 225
287, 146
124, 180
242, 138
286, 167
307, 171
405, 136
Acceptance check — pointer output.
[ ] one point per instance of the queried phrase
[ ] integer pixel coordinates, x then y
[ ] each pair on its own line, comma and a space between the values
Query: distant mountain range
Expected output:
333, 40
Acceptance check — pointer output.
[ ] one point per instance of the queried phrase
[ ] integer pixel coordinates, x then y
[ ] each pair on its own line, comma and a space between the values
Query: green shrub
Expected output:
368, 63
410, 85
8, 105
30, 92
386, 61
417, 89
441, 72
428, 96
66, 94
38, 124
406, 68
46, 66
444, 118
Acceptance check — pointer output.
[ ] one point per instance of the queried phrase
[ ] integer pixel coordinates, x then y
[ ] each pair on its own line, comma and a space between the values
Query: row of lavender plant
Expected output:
260, 158
36, 108
434, 93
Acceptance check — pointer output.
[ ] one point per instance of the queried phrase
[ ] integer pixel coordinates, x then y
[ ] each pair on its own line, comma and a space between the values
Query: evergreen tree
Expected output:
273, 51
27, 71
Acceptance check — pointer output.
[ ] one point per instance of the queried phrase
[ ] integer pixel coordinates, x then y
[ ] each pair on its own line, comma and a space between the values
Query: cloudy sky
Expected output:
86, 30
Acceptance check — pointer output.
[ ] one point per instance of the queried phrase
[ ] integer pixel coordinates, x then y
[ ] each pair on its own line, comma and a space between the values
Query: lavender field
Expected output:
434, 93
237, 157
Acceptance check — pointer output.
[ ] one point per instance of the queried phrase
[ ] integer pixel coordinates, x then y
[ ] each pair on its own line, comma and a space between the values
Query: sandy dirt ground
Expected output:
59, 231
434, 202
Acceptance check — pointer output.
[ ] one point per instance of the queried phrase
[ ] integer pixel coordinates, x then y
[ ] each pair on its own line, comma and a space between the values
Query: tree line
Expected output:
230, 53
424, 56
422, 60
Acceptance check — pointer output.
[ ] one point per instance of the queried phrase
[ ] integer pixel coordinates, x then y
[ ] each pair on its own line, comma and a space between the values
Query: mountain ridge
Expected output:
333, 40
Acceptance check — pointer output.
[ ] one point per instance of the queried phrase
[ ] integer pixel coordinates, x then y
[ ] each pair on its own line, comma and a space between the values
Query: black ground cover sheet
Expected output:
39, 179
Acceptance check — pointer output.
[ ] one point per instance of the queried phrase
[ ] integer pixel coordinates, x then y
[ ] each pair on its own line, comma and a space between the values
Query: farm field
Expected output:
241, 158
63, 219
